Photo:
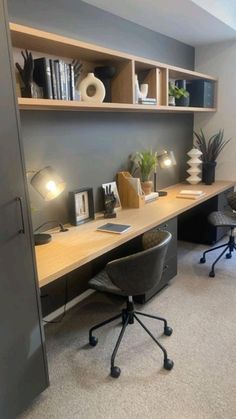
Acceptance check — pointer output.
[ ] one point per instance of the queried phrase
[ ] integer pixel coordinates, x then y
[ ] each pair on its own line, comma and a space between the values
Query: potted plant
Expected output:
210, 149
178, 96
146, 162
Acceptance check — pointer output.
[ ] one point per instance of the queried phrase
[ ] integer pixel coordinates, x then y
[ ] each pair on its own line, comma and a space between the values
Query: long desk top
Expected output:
74, 248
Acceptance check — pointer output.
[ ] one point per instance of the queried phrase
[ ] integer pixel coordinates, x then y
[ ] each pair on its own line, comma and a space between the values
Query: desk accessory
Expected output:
131, 195
194, 164
81, 206
190, 194
109, 201
164, 160
153, 196
114, 228
49, 185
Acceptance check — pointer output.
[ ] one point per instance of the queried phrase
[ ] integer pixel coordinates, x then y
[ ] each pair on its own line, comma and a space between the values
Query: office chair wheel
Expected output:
228, 255
115, 372
212, 274
168, 331
93, 341
202, 260
168, 364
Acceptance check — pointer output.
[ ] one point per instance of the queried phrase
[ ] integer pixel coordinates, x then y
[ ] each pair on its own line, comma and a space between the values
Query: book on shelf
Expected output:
147, 101
42, 76
190, 194
55, 77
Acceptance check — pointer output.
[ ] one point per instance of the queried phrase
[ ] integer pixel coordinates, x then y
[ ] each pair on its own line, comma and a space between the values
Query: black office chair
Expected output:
223, 219
133, 275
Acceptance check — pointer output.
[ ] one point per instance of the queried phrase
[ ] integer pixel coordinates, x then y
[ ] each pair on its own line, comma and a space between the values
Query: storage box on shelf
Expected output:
155, 74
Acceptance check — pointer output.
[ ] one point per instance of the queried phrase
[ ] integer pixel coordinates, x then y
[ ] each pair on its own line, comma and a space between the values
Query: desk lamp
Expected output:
164, 160
49, 185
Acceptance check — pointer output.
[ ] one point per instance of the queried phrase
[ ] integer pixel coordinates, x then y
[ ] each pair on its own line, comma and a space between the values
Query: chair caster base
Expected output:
168, 364
202, 260
93, 341
115, 372
228, 255
212, 274
168, 331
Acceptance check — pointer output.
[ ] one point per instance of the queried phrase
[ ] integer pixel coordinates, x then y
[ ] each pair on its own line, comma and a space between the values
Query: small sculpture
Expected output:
109, 203
26, 74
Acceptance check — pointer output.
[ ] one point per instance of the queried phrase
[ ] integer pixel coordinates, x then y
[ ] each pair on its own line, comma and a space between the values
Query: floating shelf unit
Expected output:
156, 74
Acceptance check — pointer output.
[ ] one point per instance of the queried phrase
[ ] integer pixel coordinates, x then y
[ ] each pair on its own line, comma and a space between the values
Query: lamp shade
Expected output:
48, 183
167, 159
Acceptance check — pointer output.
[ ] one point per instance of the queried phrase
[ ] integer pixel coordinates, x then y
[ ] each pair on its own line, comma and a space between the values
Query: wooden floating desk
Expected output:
74, 248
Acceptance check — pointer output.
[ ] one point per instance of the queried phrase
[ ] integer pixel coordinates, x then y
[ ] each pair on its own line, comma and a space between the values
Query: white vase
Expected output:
93, 83
144, 90
194, 164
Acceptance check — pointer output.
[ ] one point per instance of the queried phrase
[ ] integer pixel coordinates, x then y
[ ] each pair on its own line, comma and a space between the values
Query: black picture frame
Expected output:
81, 206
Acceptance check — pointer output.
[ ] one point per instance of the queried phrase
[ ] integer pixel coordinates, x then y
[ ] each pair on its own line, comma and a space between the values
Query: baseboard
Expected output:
69, 305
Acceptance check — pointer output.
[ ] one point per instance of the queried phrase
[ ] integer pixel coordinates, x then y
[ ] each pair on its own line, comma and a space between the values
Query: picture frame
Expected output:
81, 206
115, 191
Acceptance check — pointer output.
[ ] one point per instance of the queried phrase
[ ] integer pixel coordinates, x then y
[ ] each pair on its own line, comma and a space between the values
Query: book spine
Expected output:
42, 76
66, 82
53, 80
48, 79
72, 82
68, 74
58, 80
62, 79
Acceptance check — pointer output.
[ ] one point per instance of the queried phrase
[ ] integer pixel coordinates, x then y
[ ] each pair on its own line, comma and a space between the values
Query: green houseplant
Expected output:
210, 148
178, 95
146, 162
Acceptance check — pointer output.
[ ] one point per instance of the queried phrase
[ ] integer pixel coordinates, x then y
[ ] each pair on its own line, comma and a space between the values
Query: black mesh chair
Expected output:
223, 219
134, 275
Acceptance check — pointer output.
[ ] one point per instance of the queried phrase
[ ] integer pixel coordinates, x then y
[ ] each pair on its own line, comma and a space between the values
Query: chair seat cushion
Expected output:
102, 282
222, 219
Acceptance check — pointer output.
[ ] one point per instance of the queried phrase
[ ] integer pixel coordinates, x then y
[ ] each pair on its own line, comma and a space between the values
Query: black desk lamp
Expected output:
49, 185
164, 160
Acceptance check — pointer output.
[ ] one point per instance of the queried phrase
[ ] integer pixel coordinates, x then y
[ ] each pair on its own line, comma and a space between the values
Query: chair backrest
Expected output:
140, 272
231, 198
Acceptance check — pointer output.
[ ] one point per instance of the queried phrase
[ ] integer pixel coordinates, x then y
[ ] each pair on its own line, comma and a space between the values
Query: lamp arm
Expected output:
62, 228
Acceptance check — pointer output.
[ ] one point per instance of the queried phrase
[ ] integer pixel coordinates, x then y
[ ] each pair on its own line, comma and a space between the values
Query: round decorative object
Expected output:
92, 89
194, 163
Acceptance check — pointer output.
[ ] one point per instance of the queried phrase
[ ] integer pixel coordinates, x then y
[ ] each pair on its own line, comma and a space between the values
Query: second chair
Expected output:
134, 275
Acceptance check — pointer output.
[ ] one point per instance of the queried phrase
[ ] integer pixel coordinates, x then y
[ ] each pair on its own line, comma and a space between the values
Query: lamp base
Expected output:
162, 193
42, 238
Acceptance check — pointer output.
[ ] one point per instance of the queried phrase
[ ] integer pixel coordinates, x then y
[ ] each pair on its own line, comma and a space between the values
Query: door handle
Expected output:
19, 199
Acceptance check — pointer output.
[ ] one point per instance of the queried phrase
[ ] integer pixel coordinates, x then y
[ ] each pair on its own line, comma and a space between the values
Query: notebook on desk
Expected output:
114, 228
190, 194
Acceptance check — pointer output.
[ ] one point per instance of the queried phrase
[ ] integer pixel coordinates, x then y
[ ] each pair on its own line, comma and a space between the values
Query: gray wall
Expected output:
89, 148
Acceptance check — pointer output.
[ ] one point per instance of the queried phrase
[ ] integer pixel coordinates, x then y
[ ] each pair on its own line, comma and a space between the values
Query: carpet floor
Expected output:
202, 384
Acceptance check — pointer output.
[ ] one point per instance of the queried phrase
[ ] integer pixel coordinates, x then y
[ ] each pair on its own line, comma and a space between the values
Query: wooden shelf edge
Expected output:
63, 105
27, 31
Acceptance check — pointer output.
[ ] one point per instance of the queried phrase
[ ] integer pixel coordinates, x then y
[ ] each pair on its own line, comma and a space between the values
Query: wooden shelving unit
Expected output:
156, 74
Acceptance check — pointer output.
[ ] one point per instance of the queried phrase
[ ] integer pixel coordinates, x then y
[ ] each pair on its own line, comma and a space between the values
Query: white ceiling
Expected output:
194, 22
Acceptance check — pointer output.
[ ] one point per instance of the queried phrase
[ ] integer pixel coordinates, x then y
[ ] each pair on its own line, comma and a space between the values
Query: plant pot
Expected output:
208, 172
171, 101
147, 187
182, 101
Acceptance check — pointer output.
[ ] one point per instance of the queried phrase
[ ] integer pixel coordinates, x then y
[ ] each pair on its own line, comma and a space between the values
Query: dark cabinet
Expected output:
193, 225
23, 366
170, 267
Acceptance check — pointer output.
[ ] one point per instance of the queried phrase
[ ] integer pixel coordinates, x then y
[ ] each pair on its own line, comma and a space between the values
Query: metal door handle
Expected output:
20, 200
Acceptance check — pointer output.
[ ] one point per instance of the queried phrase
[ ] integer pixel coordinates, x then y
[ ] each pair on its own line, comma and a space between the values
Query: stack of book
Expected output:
55, 77
190, 194
147, 101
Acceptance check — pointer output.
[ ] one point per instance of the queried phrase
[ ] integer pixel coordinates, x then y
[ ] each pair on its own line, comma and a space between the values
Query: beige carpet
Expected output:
202, 384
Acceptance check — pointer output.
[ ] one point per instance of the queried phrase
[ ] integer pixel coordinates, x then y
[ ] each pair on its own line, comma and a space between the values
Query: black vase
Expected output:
105, 74
208, 172
182, 101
